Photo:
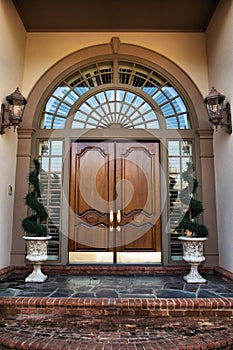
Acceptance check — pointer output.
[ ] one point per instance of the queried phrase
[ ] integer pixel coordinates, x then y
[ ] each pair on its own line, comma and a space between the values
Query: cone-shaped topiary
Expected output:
34, 225
188, 222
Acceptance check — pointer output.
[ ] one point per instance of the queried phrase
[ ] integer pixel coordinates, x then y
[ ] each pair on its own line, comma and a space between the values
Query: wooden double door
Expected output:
115, 198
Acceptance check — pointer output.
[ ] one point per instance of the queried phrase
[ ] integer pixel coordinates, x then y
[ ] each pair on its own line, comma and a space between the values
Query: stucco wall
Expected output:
187, 50
220, 62
12, 48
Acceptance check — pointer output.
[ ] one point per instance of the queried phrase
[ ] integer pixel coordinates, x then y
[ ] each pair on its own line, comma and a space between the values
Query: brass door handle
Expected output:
118, 216
111, 216
111, 219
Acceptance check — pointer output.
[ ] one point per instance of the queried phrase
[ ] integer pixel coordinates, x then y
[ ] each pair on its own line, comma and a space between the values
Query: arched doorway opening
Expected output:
115, 97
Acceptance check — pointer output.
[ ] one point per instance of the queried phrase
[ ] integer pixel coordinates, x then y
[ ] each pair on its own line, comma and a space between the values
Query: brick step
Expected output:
15, 306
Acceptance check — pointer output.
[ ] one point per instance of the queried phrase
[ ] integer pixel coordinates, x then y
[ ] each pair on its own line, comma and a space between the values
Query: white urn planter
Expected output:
37, 253
193, 254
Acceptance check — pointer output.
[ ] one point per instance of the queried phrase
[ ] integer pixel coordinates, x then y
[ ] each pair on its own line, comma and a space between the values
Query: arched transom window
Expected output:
101, 96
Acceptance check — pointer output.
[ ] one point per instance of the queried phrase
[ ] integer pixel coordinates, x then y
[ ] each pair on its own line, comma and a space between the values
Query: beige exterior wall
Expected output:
220, 62
187, 50
12, 48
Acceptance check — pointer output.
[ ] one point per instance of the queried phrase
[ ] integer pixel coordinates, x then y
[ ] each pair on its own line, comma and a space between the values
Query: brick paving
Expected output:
111, 333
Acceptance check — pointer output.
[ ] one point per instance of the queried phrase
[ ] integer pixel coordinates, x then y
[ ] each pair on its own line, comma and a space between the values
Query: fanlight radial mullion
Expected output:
118, 107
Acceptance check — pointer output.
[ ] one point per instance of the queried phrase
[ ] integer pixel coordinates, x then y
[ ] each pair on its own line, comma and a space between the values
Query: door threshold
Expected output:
140, 258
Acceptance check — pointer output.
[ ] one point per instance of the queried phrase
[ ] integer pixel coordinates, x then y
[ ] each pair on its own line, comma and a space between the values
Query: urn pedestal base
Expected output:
193, 250
36, 275
194, 276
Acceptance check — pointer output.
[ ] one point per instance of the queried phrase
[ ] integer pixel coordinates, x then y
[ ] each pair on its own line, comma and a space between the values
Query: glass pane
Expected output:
52, 105
56, 148
77, 125
71, 98
45, 164
61, 91
129, 97
93, 121
144, 108
112, 106
106, 109
151, 90
186, 148
173, 148
85, 108
120, 95
138, 101
44, 147
63, 109
130, 111
179, 105
100, 111
101, 97
47, 122
184, 163
170, 91
93, 102
167, 109
56, 164
153, 124
139, 121
172, 123
135, 116
174, 165
124, 108
110, 95
150, 116
160, 98
80, 90
58, 123
79, 116
184, 121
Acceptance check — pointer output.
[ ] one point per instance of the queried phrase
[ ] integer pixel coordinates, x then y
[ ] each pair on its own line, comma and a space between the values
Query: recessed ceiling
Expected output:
115, 15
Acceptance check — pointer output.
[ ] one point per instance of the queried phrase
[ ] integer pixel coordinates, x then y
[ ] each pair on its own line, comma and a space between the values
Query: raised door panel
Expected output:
91, 192
138, 189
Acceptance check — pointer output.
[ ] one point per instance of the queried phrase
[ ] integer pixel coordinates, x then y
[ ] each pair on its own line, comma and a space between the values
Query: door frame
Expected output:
70, 136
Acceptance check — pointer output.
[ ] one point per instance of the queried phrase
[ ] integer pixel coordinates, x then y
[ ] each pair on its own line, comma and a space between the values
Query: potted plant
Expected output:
194, 234
36, 231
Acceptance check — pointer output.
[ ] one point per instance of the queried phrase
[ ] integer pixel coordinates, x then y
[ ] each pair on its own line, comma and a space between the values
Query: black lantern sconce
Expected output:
16, 104
216, 110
